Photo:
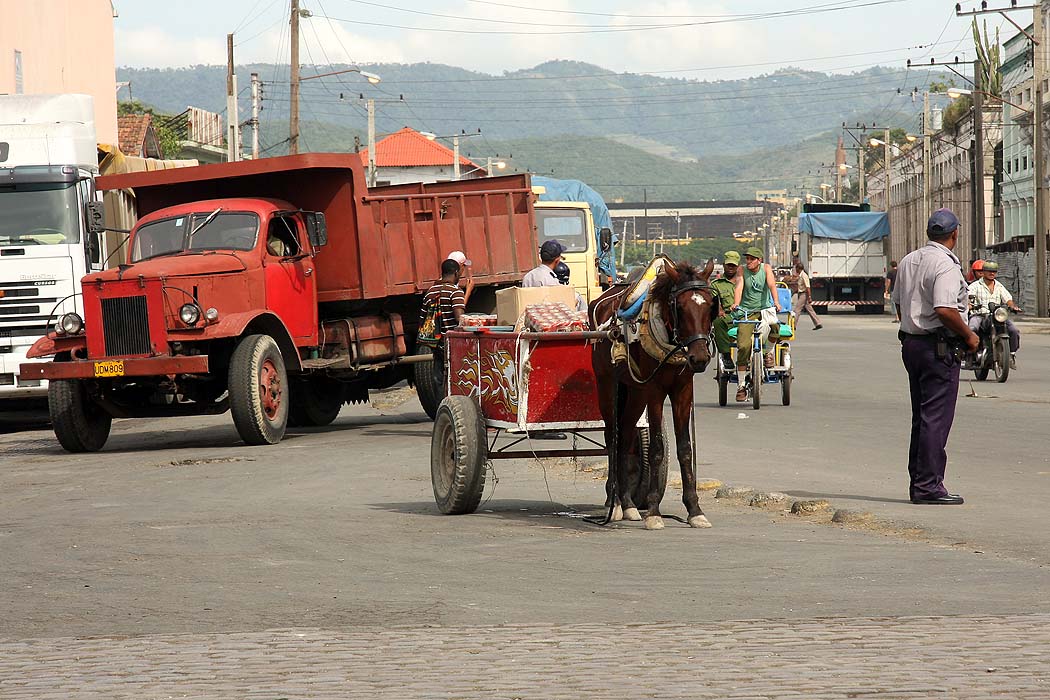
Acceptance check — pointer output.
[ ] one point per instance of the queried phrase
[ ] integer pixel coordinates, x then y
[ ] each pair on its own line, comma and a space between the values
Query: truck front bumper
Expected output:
127, 367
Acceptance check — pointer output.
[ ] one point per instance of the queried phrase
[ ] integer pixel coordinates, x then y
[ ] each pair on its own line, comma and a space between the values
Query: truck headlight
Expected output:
190, 314
1001, 314
70, 324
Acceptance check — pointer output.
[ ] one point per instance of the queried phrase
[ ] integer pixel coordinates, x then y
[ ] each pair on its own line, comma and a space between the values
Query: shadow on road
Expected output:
542, 513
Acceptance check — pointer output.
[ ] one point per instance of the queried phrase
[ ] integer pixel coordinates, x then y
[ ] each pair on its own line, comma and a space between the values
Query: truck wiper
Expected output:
210, 218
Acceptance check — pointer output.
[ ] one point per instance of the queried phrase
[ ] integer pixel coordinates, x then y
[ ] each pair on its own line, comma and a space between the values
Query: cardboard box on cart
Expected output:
511, 302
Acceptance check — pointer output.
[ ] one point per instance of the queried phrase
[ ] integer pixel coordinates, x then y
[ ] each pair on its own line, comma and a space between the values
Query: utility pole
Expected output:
255, 116
979, 237
233, 127
1039, 147
927, 133
371, 142
293, 119
455, 157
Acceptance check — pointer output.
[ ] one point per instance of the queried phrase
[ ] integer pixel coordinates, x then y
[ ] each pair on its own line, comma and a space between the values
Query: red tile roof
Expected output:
408, 148
131, 133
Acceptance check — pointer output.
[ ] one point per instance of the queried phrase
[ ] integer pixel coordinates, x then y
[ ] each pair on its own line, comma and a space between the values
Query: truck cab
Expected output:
588, 247
50, 226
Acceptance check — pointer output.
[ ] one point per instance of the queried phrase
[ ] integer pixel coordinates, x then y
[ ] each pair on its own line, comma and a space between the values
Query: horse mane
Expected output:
662, 286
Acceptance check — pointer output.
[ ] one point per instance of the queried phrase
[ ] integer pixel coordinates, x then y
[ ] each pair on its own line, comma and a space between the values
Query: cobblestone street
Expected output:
899, 658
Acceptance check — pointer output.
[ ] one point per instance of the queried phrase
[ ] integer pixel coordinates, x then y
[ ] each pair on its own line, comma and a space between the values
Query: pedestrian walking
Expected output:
931, 293
891, 280
804, 298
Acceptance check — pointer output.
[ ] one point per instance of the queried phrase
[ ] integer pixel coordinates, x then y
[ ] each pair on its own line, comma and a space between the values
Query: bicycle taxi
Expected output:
758, 374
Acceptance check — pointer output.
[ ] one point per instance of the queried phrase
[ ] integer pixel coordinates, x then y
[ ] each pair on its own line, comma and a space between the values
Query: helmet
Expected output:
561, 271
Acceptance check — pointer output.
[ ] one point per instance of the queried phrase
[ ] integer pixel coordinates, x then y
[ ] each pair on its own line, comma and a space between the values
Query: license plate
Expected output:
109, 369
847, 290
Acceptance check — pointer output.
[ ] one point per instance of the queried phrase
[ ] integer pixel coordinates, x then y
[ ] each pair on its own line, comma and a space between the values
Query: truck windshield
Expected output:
227, 231
38, 214
568, 226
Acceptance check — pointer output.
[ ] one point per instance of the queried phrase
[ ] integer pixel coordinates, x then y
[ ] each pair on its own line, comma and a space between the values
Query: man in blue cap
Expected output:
931, 294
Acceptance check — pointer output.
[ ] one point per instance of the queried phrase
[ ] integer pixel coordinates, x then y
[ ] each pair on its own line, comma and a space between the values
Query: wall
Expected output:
66, 46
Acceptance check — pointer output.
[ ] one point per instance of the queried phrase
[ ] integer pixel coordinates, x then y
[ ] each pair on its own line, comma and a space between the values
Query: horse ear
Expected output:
708, 269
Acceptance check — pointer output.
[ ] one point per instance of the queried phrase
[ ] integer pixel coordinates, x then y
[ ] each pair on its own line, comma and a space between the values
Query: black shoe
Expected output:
949, 499
818, 326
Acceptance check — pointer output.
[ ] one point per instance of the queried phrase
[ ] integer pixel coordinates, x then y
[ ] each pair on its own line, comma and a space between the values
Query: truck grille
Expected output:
125, 326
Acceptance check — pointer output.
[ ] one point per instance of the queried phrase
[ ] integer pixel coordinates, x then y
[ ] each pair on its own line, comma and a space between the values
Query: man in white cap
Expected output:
464, 272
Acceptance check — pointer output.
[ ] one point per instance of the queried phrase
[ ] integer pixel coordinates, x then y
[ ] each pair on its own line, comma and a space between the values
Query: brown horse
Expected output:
686, 306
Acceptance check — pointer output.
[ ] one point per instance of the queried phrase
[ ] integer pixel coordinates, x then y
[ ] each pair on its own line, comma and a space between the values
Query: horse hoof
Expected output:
617, 514
654, 522
632, 514
699, 521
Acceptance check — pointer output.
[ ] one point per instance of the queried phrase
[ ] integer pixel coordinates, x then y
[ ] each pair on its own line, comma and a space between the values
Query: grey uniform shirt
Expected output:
928, 278
541, 276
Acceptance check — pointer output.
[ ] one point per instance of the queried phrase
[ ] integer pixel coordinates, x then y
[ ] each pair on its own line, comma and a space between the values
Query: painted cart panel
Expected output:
526, 381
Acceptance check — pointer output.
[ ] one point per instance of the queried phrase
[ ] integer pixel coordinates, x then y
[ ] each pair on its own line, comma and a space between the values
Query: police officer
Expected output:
931, 294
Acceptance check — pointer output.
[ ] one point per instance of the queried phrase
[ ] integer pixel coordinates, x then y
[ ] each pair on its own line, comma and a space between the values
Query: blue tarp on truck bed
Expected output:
577, 191
850, 226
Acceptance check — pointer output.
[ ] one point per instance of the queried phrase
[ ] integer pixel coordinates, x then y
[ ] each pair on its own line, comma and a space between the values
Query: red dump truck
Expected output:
277, 289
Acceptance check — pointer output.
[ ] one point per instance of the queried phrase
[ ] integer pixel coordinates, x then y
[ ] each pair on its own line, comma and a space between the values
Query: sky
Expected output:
683, 38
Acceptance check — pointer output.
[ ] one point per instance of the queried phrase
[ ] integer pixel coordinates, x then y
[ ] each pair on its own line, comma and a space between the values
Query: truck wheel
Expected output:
429, 393
80, 425
258, 385
315, 401
458, 450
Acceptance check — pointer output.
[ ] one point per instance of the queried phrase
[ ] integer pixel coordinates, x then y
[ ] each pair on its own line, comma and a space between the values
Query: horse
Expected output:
682, 301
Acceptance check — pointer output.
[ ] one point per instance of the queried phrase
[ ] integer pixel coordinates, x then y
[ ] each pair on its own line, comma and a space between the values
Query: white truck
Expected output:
842, 247
51, 223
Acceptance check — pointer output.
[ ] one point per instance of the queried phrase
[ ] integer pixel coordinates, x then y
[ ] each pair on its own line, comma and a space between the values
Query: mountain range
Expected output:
675, 138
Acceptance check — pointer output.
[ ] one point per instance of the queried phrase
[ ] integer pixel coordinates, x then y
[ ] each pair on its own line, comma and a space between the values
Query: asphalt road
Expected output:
178, 529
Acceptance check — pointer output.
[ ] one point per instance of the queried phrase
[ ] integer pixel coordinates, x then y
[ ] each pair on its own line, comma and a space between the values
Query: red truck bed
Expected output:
384, 242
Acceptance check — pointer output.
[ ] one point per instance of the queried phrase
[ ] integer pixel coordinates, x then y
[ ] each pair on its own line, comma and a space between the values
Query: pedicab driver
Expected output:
755, 294
932, 297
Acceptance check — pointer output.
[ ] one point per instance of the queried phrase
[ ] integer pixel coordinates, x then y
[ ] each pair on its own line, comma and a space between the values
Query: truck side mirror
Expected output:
96, 217
605, 239
317, 229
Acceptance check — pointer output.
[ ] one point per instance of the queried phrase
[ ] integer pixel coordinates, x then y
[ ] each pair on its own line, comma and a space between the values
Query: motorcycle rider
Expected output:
985, 290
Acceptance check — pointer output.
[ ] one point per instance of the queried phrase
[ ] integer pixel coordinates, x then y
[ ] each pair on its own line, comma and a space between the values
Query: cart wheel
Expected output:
723, 388
785, 388
756, 378
458, 450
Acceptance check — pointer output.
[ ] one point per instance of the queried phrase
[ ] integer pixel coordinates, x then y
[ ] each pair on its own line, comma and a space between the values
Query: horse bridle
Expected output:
675, 291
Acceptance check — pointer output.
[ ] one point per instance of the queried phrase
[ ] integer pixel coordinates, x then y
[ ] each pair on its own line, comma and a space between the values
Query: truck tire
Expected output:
429, 393
315, 401
458, 451
79, 424
258, 385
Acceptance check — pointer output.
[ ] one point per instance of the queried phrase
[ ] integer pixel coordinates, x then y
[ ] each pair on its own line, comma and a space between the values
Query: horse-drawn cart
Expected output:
503, 387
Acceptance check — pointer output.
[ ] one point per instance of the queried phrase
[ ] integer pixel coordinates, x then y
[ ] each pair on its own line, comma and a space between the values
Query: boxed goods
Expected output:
511, 302
550, 316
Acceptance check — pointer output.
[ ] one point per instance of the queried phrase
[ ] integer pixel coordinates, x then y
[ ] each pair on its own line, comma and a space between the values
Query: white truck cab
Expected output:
50, 222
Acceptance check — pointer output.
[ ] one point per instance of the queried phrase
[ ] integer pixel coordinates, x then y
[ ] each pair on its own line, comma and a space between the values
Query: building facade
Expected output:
61, 46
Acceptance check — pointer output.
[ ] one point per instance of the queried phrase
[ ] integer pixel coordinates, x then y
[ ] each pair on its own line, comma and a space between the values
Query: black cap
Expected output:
551, 250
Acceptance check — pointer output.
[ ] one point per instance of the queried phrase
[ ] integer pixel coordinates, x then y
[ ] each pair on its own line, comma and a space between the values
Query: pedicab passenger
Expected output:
726, 291
755, 294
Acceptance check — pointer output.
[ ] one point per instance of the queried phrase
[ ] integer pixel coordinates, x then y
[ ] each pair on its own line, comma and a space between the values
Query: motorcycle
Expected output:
993, 353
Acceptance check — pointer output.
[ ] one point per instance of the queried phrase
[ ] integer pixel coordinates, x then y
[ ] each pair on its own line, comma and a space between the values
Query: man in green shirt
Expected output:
755, 294
726, 290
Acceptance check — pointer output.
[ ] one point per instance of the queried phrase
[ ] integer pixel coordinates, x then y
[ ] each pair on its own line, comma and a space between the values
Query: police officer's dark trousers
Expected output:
934, 384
